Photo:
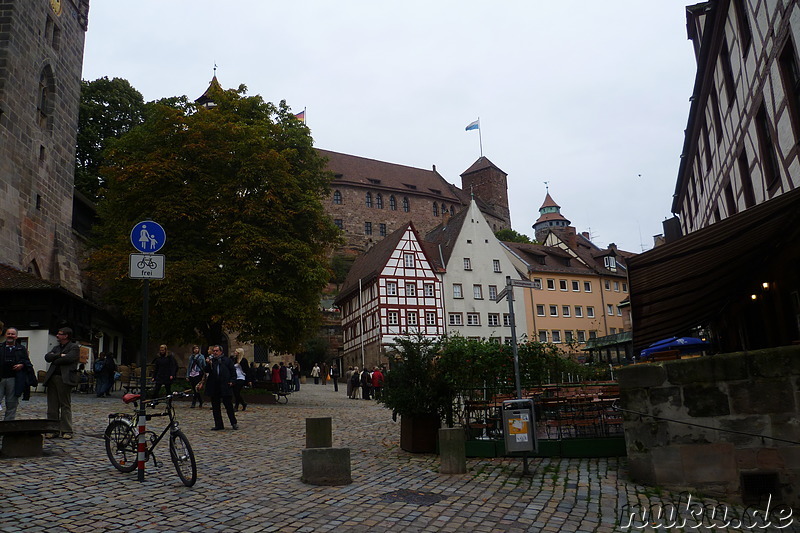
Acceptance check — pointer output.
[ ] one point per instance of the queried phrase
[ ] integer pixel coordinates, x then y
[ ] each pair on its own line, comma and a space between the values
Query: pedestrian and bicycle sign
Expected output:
148, 237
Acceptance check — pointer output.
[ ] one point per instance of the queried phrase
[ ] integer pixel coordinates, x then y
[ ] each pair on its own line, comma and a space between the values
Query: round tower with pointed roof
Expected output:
550, 218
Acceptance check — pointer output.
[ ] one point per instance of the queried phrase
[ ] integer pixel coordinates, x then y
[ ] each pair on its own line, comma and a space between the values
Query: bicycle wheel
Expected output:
121, 445
183, 458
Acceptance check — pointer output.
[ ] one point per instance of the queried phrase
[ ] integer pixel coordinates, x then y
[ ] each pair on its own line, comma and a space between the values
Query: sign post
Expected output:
147, 237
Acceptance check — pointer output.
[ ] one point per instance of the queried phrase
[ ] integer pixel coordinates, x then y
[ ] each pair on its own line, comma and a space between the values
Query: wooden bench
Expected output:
25, 438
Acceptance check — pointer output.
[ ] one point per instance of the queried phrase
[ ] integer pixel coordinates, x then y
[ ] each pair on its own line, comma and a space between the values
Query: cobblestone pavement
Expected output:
249, 481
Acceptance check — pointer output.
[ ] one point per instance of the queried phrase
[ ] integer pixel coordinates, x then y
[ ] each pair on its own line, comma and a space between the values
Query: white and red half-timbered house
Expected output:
391, 291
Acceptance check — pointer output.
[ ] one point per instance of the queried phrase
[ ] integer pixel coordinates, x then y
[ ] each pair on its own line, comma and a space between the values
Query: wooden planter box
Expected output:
419, 433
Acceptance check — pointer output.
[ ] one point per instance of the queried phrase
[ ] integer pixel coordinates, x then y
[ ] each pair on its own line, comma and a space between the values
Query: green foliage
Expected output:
238, 190
108, 109
340, 266
416, 385
509, 235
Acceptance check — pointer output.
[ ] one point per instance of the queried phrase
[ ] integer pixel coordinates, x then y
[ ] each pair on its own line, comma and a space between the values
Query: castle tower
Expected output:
41, 56
550, 218
488, 184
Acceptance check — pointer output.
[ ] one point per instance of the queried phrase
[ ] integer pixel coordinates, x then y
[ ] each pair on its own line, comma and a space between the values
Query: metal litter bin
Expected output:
519, 426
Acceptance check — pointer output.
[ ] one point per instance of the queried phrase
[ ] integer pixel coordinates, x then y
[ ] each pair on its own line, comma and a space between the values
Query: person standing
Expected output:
195, 372
296, 376
355, 382
219, 387
366, 384
61, 377
335, 377
315, 373
377, 383
242, 368
104, 373
15, 372
347, 376
165, 368
276, 378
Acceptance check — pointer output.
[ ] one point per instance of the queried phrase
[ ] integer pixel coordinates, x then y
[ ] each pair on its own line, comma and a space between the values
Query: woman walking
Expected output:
242, 368
194, 373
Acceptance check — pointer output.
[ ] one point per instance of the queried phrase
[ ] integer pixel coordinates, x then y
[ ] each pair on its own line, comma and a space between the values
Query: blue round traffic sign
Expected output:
148, 237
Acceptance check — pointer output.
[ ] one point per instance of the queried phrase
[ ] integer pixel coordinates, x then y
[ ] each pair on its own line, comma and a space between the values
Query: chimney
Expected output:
585, 235
571, 237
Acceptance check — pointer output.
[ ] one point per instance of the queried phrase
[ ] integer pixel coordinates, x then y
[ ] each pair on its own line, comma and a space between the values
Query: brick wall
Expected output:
37, 151
756, 392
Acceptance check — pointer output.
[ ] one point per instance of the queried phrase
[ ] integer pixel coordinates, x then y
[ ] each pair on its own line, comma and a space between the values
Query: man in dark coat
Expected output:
219, 386
15, 371
62, 376
165, 368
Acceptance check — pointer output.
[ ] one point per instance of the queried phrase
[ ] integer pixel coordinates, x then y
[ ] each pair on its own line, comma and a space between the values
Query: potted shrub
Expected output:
416, 389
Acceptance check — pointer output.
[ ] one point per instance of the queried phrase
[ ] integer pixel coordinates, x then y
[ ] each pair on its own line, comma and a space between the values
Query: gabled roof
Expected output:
368, 266
482, 163
555, 259
445, 235
592, 255
13, 279
383, 175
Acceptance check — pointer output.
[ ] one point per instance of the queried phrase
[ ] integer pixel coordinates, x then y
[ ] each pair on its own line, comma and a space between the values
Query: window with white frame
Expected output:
616, 286
551, 284
467, 263
394, 318
477, 292
506, 320
579, 311
473, 319
411, 289
537, 283
507, 341
624, 287
493, 319
593, 334
587, 286
456, 319
542, 335
539, 309
556, 336
391, 288
576, 286
619, 311
610, 262
411, 318
430, 318
457, 292
493, 292
581, 336
612, 331
568, 336
565, 311
607, 285
494, 340
496, 265
610, 309
589, 311
408, 260
428, 288
562, 284
553, 310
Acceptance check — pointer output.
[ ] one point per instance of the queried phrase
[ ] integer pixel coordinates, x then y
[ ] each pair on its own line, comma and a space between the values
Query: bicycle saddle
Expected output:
130, 397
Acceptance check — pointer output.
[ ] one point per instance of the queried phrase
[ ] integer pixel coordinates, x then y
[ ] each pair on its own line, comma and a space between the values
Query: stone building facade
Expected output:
41, 56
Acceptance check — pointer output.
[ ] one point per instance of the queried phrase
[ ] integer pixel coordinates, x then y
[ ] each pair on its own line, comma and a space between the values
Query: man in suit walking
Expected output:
62, 375
219, 386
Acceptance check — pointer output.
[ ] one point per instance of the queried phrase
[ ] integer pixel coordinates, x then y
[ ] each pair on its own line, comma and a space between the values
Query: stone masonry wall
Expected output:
756, 392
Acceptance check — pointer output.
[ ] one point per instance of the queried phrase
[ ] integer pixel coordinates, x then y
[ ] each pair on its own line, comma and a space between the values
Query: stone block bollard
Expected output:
326, 466
319, 433
452, 451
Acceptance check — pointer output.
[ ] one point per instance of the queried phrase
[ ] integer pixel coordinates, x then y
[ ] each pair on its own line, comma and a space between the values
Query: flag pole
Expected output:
305, 120
480, 139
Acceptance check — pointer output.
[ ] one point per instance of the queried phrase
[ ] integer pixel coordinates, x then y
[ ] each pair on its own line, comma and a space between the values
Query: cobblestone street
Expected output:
249, 480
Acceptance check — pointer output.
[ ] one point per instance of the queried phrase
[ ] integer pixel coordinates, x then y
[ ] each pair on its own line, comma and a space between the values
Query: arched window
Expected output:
46, 98
379, 201
444, 210
405, 204
435, 209
337, 197
452, 211
369, 199
392, 203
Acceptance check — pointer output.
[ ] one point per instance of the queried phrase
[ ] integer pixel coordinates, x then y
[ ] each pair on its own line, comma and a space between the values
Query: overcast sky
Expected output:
589, 96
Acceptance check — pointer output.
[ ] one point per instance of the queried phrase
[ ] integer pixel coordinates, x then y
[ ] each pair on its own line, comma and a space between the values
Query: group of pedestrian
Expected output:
369, 383
285, 377
105, 369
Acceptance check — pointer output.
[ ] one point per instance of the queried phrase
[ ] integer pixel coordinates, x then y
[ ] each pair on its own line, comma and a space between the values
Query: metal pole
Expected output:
510, 289
142, 418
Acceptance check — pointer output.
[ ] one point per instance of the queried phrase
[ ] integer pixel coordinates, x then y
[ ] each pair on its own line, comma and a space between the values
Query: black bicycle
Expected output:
122, 438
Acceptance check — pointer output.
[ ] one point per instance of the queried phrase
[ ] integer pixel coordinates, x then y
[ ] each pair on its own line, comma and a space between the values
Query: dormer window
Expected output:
436, 191
413, 187
610, 262
372, 180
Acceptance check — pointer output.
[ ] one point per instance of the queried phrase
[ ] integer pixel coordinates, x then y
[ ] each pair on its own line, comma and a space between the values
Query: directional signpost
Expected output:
147, 237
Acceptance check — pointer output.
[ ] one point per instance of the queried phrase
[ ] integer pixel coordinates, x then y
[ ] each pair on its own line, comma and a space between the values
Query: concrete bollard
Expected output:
326, 466
452, 451
319, 433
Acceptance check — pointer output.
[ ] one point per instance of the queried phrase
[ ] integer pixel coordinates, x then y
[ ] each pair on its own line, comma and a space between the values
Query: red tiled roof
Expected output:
549, 202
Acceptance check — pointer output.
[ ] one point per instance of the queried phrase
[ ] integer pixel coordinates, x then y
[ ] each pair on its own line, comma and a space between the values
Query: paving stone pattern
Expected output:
249, 480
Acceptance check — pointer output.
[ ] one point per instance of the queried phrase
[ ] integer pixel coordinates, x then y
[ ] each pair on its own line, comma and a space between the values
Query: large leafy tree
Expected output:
238, 190
509, 235
108, 109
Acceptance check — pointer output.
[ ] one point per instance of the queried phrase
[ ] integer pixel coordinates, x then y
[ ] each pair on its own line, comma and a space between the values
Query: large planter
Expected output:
418, 433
